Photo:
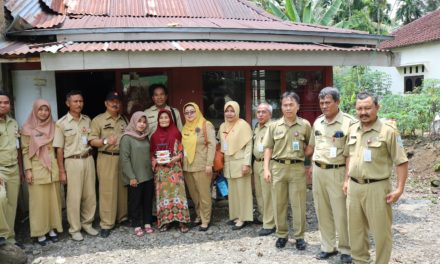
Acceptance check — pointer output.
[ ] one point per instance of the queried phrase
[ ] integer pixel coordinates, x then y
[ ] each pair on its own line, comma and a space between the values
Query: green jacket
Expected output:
134, 159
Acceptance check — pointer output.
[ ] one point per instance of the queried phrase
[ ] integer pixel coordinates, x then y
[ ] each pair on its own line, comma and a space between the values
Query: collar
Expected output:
155, 108
70, 117
283, 121
107, 115
338, 118
7, 119
376, 125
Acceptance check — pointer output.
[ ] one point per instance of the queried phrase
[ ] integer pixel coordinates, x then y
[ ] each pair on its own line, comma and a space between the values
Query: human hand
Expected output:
245, 169
63, 177
267, 176
29, 177
133, 183
112, 140
345, 187
208, 170
392, 197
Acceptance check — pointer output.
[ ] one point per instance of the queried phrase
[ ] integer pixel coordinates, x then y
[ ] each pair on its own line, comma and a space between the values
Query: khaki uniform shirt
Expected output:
9, 135
71, 135
41, 175
103, 126
204, 155
287, 142
383, 143
258, 137
152, 118
329, 138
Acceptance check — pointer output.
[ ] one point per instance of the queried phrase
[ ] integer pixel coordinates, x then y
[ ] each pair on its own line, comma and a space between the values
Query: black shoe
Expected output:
42, 243
266, 232
2, 241
346, 258
326, 255
281, 242
257, 222
203, 229
104, 233
54, 239
300, 244
236, 227
231, 222
20, 245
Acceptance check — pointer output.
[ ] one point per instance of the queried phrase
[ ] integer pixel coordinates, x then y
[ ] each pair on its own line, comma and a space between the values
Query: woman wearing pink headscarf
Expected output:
42, 173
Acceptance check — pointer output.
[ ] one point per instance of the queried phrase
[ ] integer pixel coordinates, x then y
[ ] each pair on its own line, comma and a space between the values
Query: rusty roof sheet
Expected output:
424, 29
32, 13
20, 48
92, 22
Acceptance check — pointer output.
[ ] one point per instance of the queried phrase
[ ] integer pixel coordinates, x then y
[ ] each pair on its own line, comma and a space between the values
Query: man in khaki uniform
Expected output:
284, 156
76, 165
373, 147
159, 95
263, 189
106, 131
328, 139
9, 176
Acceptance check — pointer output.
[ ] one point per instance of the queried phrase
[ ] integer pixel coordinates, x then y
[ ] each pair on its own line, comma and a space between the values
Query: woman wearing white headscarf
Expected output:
235, 136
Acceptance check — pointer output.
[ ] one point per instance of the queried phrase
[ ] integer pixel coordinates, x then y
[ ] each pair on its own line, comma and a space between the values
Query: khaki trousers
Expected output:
331, 208
265, 190
367, 207
113, 195
81, 194
289, 184
199, 187
8, 204
45, 208
240, 198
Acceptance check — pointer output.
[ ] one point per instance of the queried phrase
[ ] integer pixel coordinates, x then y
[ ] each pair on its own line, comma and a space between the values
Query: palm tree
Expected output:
409, 10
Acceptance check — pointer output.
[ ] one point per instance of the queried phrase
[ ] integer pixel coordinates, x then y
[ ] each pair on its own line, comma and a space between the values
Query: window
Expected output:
412, 82
220, 87
266, 88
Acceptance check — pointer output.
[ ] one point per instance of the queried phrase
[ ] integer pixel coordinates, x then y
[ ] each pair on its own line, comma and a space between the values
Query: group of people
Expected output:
148, 162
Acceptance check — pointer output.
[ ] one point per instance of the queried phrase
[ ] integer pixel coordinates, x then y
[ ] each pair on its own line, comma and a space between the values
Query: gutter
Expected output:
155, 30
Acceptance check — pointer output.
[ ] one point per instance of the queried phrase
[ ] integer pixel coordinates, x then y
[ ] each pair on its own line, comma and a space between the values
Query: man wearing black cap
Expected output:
106, 131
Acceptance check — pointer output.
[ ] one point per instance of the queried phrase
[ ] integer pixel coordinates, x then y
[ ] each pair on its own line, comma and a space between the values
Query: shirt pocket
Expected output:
70, 136
340, 142
377, 149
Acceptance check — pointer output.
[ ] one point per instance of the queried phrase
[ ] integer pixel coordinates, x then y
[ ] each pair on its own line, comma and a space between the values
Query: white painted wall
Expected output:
31, 85
427, 54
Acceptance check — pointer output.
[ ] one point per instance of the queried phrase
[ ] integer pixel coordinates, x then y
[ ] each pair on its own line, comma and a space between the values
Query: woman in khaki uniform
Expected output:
198, 139
42, 173
235, 136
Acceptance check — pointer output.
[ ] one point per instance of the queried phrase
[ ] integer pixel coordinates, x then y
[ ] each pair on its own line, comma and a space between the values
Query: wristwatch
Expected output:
105, 141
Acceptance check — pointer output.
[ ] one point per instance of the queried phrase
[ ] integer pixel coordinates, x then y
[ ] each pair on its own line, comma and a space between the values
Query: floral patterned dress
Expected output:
171, 202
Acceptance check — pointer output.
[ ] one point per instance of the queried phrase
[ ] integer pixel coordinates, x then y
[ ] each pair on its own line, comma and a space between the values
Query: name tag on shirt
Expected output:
84, 139
367, 155
17, 143
260, 147
333, 152
225, 146
184, 153
295, 146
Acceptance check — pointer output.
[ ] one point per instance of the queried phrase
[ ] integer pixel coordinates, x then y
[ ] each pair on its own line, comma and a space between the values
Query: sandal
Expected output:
149, 229
164, 228
138, 231
183, 228
197, 221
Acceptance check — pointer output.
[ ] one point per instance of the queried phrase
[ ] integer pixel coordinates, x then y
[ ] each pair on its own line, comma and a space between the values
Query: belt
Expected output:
110, 153
329, 166
259, 159
288, 161
80, 156
366, 181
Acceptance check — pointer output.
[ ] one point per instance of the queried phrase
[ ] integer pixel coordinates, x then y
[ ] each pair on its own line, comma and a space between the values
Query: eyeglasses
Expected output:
189, 113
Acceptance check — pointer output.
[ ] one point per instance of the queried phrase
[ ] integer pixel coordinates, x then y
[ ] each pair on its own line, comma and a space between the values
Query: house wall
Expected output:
29, 85
427, 54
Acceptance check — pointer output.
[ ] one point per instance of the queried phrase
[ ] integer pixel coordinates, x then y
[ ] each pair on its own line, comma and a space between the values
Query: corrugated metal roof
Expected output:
19, 48
91, 22
56, 5
32, 13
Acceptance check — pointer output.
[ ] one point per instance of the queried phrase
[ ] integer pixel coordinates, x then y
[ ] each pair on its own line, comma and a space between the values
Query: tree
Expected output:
409, 10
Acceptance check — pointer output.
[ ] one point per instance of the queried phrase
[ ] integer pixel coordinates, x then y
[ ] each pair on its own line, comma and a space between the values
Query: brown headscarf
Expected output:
131, 127
41, 133
236, 133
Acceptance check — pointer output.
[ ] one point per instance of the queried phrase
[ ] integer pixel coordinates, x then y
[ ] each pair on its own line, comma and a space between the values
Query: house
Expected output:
417, 47
206, 51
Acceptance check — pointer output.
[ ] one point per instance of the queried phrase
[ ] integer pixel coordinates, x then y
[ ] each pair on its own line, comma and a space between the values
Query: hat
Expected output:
113, 95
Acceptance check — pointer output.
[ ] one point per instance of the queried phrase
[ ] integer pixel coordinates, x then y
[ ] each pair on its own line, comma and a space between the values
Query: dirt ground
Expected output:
416, 232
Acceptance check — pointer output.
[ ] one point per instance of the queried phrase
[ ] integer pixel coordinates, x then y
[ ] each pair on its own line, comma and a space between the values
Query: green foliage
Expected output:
436, 166
350, 81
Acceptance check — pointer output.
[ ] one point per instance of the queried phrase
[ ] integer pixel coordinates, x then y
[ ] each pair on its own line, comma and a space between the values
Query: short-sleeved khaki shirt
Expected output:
71, 135
104, 125
384, 144
287, 142
259, 132
152, 113
327, 137
8, 141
